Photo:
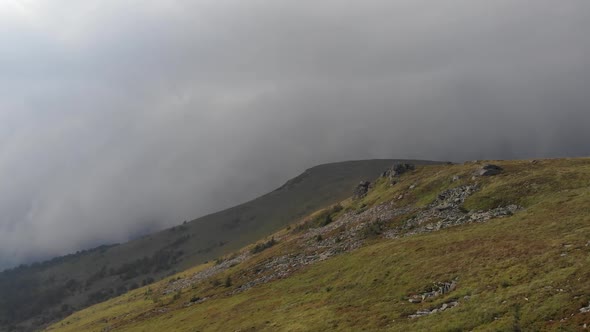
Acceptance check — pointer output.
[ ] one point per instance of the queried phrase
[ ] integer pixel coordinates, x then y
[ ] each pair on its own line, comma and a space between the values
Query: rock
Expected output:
455, 178
444, 206
397, 170
489, 170
361, 190
449, 288
482, 216
443, 307
440, 288
513, 208
585, 309
446, 211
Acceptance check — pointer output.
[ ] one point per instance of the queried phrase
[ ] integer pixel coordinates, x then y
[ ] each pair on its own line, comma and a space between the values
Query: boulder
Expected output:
397, 170
489, 170
361, 190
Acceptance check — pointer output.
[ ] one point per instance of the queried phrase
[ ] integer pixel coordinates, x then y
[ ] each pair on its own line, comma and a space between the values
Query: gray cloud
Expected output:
120, 117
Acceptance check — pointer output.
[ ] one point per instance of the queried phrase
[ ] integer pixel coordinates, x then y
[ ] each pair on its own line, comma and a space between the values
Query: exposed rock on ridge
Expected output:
489, 170
361, 190
397, 170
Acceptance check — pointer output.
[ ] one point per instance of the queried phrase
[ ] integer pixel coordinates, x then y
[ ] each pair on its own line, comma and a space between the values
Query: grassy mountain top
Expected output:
436, 248
33, 296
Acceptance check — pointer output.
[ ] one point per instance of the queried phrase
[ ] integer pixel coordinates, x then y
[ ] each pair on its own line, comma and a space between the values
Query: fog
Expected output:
122, 117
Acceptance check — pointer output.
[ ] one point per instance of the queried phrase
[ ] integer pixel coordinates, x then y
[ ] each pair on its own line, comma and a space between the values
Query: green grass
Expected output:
513, 269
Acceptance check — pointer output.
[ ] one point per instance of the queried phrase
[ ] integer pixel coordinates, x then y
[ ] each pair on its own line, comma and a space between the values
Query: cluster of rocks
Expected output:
446, 211
453, 198
426, 312
440, 288
344, 234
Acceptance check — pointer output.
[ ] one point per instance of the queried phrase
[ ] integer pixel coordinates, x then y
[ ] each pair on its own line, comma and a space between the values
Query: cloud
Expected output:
121, 117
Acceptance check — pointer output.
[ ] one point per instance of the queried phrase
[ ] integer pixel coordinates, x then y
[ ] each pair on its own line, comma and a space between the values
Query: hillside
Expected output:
32, 296
440, 247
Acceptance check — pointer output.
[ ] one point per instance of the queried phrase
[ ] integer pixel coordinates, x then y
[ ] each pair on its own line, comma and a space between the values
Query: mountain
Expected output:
33, 296
481, 246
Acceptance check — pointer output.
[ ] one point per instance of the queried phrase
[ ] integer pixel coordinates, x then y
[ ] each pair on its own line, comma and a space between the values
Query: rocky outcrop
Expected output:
361, 190
397, 170
439, 288
489, 170
446, 211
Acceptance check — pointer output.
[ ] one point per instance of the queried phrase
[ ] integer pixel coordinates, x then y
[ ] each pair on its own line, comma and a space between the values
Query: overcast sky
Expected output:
120, 117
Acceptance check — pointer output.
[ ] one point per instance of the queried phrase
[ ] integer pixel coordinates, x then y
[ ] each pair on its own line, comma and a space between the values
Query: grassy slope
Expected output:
528, 271
208, 237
